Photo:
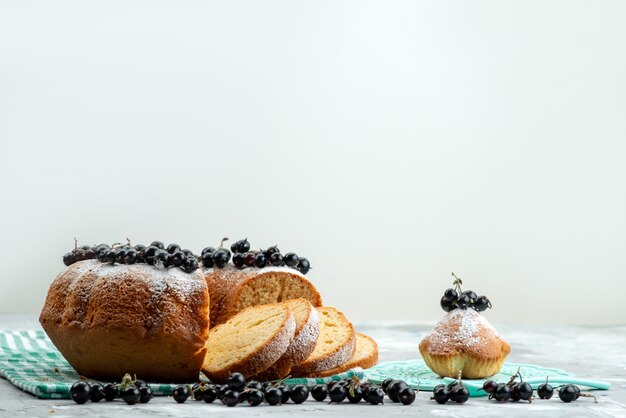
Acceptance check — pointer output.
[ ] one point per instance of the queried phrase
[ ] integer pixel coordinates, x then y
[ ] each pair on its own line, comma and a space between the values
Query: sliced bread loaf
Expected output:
335, 344
249, 342
304, 341
365, 356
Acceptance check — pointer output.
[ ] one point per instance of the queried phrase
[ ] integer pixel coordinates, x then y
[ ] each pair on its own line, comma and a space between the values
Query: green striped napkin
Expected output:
30, 361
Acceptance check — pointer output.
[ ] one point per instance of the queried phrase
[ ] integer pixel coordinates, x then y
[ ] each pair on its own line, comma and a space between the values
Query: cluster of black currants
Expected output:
237, 390
243, 257
567, 393
512, 390
454, 298
454, 391
156, 254
132, 391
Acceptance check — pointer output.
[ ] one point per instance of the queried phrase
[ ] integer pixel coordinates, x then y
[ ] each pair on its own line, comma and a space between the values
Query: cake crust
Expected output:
108, 320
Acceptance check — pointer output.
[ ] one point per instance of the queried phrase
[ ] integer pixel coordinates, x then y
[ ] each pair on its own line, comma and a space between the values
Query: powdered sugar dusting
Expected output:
460, 328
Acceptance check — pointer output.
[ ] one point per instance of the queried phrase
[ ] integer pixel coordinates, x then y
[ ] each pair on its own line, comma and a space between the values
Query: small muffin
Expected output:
463, 341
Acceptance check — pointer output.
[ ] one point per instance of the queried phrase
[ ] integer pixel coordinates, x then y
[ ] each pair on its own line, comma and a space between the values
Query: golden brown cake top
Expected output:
463, 330
90, 293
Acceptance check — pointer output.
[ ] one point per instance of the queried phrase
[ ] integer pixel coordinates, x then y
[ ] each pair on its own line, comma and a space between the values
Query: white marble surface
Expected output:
596, 353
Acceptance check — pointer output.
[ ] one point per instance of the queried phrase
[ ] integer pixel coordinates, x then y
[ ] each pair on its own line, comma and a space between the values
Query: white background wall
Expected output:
390, 142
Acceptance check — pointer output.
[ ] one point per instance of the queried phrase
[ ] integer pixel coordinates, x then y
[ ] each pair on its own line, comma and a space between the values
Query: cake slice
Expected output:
249, 342
335, 345
303, 344
365, 356
232, 289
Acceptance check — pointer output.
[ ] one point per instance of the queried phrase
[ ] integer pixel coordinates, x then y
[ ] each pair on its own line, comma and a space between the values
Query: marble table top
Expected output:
591, 352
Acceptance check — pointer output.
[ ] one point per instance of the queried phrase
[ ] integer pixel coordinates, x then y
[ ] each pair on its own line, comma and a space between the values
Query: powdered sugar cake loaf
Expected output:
232, 289
464, 341
108, 320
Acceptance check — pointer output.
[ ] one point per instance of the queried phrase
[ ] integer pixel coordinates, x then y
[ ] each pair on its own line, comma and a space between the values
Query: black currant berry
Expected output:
291, 259
207, 259
502, 393
221, 390
385, 384
375, 396
140, 248
157, 244
162, 259
481, 304
190, 265
145, 394
131, 256
276, 259
69, 259
463, 301
490, 386
236, 381
459, 394
545, 390
394, 388
441, 394
299, 393
180, 393
130, 395
249, 258
337, 393
255, 397
96, 392
149, 254
355, 393
230, 398
221, 257
407, 396
111, 391
450, 294
319, 392
447, 304
303, 265
524, 391
285, 392
239, 260
471, 294
240, 246
80, 392
259, 260
178, 258
172, 248
207, 250
568, 393
253, 384
273, 395
209, 394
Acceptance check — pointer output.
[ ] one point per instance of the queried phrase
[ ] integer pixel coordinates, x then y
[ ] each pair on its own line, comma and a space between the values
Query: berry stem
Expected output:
457, 283
223, 241
587, 395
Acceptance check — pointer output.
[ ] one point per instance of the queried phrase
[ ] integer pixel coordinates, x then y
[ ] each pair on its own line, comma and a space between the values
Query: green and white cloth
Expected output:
30, 361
